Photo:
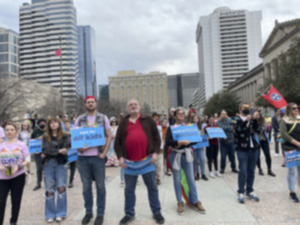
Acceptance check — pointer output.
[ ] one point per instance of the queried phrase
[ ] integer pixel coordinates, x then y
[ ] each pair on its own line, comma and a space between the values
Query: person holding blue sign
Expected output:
199, 153
290, 132
138, 140
91, 161
212, 150
227, 145
55, 145
246, 146
14, 157
181, 158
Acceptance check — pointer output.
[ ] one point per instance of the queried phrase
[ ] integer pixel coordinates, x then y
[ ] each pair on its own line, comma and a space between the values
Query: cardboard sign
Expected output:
186, 132
215, 132
292, 158
139, 168
35, 146
72, 155
202, 144
87, 137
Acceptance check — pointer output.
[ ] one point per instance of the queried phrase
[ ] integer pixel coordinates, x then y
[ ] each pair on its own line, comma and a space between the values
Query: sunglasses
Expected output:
294, 108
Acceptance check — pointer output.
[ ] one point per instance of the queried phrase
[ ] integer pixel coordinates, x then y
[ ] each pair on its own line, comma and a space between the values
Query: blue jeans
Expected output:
150, 182
227, 149
291, 177
200, 159
122, 173
92, 168
189, 174
247, 163
55, 179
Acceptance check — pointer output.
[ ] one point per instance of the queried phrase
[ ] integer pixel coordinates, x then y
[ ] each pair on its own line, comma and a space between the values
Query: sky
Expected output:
152, 35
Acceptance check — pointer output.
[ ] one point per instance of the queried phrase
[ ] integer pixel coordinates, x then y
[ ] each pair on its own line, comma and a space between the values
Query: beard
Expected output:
90, 109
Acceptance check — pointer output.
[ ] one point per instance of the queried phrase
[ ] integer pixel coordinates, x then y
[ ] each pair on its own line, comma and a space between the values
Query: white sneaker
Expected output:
218, 174
59, 219
211, 174
276, 155
50, 220
122, 183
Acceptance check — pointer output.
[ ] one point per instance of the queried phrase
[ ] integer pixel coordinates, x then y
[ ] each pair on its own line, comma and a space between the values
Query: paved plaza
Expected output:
218, 196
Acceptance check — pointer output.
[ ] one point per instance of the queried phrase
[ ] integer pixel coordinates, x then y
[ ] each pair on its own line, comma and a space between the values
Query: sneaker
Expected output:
159, 218
180, 208
203, 177
260, 172
276, 155
86, 219
50, 220
294, 197
235, 171
59, 219
126, 220
222, 171
157, 181
253, 197
37, 187
270, 173
241, 198
122, 184
98, 220
211, 174
218, 174
70, 185
198, 207
197, 177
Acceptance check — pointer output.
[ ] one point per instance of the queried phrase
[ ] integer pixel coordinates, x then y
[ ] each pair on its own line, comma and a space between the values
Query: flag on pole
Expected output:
58, 52
275, 98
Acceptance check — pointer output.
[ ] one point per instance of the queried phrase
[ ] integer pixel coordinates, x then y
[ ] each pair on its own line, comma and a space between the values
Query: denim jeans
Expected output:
200, 159
122, 173
189, 174
55, 177
227, 149
247, 164
92, 167
291, 177
150, 182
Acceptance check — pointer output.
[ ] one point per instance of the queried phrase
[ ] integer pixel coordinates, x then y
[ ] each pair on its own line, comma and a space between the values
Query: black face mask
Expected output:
42, 126
246, 112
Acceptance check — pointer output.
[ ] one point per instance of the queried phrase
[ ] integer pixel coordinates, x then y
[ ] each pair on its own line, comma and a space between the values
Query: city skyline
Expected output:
161, 35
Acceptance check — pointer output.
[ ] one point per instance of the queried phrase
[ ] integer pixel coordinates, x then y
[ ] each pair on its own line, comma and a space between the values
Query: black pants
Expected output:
72, 171
276, 144
266, 149
15, 186
212, 156
39, 169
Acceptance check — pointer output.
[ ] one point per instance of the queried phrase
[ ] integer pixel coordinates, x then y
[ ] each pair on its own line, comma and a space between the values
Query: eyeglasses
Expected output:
294, 108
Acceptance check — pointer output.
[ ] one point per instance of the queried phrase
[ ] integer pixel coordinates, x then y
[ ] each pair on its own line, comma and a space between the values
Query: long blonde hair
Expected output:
49, 132
288, 111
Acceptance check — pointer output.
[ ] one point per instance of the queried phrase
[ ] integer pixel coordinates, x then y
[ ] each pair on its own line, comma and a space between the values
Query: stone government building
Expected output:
249, 86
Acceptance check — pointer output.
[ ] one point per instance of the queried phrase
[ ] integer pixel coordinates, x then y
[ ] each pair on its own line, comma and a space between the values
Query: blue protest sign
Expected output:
35, 146
292, 159
72, 155
139, 168
215, 132
202, 144
87, 137
186, 132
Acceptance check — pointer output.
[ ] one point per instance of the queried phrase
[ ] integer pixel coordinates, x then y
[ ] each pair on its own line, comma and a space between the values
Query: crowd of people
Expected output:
135, 137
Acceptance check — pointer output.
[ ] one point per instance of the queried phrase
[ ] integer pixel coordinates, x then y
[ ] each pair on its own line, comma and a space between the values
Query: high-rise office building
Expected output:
48, 45
228, 42
87, 61
150, 88
9, 53
181, 89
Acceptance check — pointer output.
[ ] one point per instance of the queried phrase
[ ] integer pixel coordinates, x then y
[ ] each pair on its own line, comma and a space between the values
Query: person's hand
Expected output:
40, 138
63, 151
298, 145
154, 158
2, 168
184, 142
43, 156
122, 164
83, 149
102, 155
248, 118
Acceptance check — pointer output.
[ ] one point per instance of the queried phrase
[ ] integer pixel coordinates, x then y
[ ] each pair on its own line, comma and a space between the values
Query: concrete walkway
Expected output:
218, 196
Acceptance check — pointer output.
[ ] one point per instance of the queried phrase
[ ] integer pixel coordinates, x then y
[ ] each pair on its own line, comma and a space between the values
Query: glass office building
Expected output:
87, 61
9, 53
